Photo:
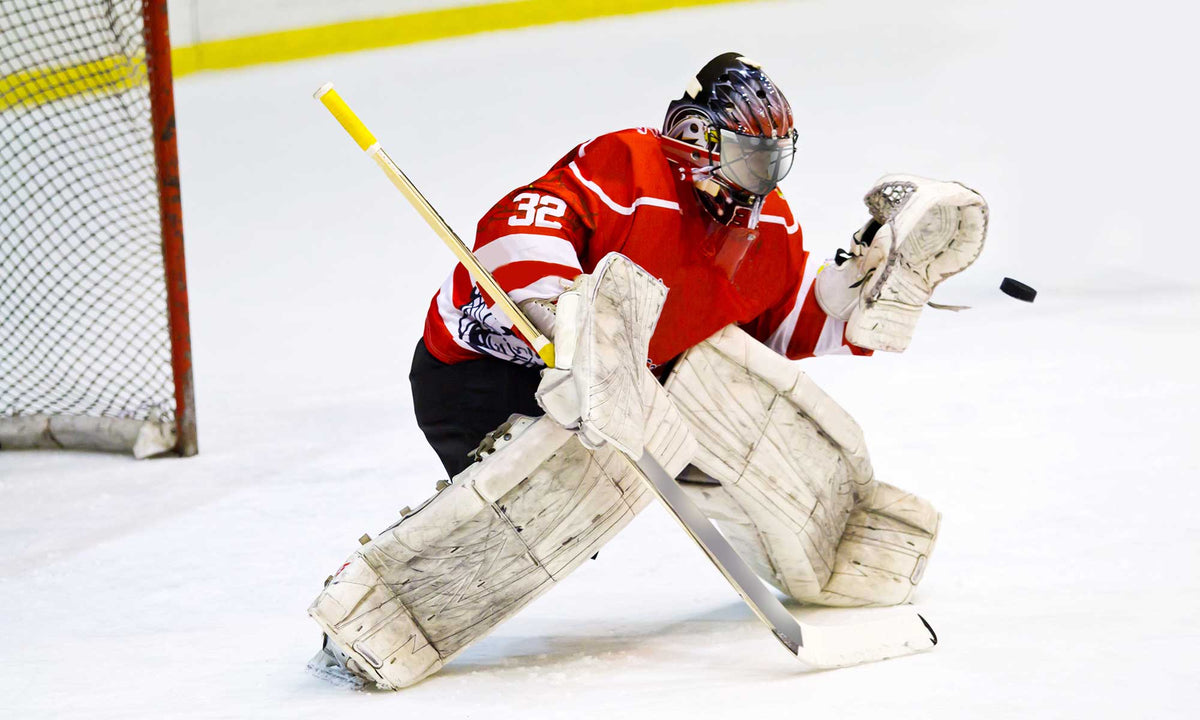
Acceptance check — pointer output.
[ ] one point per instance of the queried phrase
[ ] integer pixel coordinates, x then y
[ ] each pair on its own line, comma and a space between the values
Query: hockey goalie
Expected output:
671, 274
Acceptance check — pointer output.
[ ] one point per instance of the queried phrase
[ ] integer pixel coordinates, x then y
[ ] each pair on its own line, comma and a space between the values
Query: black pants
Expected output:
456, 405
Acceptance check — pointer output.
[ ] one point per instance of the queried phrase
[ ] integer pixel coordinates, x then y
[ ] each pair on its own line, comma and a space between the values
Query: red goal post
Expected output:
95, 349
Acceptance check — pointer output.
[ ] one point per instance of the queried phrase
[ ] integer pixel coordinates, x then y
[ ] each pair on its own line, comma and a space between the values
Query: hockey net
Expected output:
94, 348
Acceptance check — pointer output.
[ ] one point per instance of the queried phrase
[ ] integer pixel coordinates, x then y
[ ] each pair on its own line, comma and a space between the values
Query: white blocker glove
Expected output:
601, 386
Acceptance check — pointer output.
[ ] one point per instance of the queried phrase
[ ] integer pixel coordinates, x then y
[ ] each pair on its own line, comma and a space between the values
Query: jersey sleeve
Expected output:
540, 237
533, 242
796, 326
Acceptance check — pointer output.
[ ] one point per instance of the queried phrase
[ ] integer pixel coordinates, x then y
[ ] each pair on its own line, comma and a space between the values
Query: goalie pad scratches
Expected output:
600, 385
792, 486
795, 493
501, 534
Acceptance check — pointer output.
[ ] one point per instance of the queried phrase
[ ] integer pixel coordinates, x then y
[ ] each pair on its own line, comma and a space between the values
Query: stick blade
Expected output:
834, 646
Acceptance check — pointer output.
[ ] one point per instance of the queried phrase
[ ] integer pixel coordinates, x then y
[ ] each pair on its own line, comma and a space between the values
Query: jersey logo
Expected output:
483, 333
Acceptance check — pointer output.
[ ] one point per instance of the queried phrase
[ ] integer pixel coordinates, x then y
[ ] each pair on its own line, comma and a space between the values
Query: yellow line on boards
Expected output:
404, 30
112, 74
42, 85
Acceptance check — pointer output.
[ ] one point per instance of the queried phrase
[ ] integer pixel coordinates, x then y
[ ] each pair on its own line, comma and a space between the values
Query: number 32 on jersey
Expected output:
538, 210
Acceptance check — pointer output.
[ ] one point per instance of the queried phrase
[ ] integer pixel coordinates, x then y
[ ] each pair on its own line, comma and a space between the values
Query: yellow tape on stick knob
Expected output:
345, 116
366, 141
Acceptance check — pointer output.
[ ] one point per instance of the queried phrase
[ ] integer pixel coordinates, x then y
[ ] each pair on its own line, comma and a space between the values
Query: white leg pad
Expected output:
882, 556
501, 534
797, 496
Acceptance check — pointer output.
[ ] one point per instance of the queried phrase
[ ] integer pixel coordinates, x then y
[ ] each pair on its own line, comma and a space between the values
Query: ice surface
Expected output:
1058, 439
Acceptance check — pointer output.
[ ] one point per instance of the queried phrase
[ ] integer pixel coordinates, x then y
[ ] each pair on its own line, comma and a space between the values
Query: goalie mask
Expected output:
732, 130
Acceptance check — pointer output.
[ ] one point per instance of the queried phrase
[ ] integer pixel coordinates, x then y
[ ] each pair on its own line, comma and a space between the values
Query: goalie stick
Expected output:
816, 646
819, 647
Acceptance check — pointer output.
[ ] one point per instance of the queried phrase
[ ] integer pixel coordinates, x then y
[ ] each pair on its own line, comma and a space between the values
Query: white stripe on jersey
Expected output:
791, 229
830, 342
782, 337
449, 314
548, 287
452, 315
505, 250
527, 247
614, 206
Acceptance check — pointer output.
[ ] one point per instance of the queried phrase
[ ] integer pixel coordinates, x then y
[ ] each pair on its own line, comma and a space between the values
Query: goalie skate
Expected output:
331, 664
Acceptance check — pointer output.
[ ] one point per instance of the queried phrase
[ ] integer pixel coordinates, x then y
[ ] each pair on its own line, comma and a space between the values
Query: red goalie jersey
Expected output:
619, 193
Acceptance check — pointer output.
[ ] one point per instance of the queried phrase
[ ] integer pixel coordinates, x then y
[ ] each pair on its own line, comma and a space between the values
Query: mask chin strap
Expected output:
755, 211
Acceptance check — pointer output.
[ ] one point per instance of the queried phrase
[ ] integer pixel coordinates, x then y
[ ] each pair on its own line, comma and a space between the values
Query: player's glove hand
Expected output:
922, 231
558, 393
542, 313
601, 386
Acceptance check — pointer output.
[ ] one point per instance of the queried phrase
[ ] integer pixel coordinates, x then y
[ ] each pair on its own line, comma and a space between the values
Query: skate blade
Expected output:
335, 675
833, 646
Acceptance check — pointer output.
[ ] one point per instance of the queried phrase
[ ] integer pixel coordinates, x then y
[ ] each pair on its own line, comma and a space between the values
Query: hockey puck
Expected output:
1017, 289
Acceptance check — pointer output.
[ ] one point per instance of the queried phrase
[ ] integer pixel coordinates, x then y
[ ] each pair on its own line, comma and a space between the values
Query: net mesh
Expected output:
83, 309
